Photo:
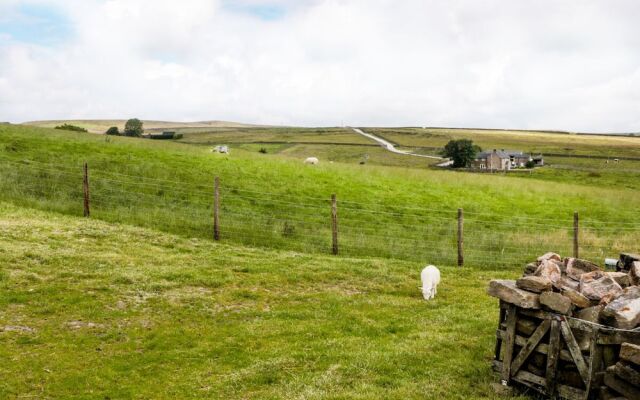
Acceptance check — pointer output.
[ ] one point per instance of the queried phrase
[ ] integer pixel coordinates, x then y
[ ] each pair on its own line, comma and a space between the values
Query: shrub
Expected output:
530, 164
69, 127
113, 131
133, 127
263, 150
178, 136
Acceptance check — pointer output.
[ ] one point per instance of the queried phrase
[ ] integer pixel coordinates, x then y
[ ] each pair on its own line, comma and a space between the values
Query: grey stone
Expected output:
576, 298
507, 291
595, 285
556, 302
624, 311
536, 284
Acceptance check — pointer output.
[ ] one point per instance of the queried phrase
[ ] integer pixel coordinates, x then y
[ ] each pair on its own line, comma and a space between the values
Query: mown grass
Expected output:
280, 203
90, 309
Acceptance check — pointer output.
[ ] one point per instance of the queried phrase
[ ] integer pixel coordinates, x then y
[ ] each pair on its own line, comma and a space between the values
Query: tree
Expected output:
113, 131
462, 152
133, 127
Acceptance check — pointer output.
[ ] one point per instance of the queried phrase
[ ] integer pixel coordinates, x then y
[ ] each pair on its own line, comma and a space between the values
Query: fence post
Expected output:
576, 231
460, 238
334, 224
216, 208
85, 189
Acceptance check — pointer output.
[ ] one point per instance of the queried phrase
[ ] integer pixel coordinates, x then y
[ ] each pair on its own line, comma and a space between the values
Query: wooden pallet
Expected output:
554, 337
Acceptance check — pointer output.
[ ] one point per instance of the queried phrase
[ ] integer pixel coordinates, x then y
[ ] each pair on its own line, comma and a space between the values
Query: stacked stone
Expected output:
577, 288
580, 289
623, 378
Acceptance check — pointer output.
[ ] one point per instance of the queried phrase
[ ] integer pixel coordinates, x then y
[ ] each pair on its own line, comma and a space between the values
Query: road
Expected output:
390, 146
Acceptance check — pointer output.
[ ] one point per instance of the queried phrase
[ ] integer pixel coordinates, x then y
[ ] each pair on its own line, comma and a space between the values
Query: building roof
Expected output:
502, 154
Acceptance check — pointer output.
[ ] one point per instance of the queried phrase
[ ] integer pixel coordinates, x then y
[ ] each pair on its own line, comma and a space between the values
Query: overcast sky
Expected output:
570, 65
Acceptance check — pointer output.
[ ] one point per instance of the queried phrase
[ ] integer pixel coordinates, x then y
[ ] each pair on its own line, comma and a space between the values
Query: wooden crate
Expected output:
553, 337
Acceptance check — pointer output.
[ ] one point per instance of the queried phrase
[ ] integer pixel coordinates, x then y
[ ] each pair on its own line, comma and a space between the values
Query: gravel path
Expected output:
390, 146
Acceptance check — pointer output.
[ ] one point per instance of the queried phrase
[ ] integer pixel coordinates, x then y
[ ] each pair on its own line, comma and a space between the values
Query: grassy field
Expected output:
96, 310
138, 301
277, 202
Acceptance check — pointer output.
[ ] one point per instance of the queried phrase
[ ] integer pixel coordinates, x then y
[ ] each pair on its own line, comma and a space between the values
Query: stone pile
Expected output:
577, 288
609, 302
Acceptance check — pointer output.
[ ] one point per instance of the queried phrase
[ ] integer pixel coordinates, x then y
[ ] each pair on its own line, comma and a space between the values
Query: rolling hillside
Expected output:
138, 300
277, 202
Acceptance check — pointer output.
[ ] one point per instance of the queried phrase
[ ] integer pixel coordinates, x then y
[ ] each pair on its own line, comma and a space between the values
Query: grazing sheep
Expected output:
430, 278
311, 160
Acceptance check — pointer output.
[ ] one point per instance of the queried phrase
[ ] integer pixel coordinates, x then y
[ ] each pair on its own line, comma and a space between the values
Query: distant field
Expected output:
101, 125
528, 141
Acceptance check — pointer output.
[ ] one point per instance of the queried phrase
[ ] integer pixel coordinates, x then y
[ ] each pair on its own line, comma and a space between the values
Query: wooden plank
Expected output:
542, 348
571, 393
576, 231
334, 224
595, 364
216, 208
616, 336
574, 349
460, 237
552, 356
498, 337
530, 345
509, 342
535, 382
85, 190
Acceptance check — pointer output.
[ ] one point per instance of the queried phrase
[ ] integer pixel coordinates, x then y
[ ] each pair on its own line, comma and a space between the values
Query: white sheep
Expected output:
311, 160
430, 279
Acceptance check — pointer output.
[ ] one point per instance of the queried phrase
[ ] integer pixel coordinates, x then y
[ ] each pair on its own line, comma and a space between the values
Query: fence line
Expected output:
281, 221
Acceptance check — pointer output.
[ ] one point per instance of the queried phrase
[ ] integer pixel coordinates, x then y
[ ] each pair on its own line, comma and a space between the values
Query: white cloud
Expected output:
528, 64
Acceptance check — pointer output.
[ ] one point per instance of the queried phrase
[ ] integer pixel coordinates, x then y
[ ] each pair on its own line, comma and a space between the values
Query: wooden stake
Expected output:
576, 231
334, 223
216, 208
460, 238
85, 189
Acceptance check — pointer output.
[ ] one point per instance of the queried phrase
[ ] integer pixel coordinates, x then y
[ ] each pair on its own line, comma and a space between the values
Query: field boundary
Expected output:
315, 224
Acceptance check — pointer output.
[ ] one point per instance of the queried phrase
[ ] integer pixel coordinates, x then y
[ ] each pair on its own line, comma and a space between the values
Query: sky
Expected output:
527, 64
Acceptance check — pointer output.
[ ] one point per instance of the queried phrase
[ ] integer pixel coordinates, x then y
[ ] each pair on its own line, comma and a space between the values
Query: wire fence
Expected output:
304, 223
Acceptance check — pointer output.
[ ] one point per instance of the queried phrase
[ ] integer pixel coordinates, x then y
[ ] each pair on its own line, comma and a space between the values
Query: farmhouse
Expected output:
503, 160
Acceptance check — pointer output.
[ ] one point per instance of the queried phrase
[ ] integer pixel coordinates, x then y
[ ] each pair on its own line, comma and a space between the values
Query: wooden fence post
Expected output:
85, 189
334, 223
460, 238
216, 208
576, 231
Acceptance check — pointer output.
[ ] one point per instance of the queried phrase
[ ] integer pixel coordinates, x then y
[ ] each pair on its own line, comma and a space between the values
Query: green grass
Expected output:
139, 302
103, 310
277, 202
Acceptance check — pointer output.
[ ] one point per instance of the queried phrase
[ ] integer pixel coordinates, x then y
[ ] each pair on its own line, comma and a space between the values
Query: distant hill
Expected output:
101, 125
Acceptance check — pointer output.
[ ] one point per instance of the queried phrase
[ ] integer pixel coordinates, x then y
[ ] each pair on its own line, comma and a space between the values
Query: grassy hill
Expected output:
90, 309
277, 202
